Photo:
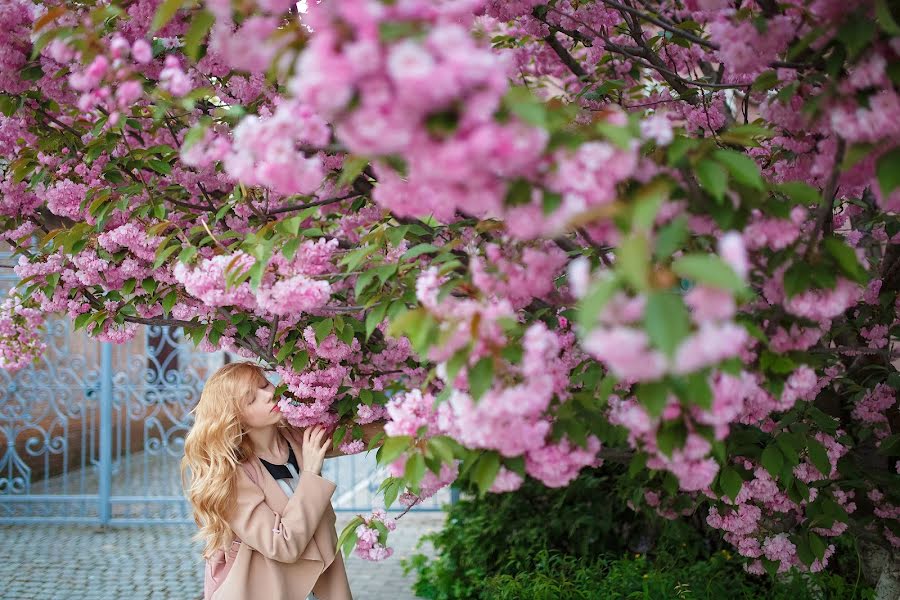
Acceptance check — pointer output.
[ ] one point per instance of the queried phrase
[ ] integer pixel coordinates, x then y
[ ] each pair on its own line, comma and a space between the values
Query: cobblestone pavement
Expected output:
69, 562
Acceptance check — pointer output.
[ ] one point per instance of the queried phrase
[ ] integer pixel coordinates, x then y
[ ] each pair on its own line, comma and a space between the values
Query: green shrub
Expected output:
583, 542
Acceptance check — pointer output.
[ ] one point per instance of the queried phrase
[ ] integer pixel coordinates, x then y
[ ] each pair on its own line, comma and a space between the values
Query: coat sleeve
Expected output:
280, 537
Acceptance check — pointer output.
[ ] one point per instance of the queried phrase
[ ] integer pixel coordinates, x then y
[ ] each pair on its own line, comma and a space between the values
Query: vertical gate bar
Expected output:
106, 402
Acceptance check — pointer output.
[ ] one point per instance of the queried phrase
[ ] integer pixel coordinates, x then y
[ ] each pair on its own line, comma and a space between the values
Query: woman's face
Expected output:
261, 410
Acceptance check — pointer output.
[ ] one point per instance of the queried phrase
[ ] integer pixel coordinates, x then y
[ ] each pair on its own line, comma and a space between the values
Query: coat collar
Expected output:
275, 496
323, 545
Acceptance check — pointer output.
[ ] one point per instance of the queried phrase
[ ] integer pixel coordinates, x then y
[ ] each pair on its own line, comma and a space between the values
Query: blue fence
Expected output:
94, 433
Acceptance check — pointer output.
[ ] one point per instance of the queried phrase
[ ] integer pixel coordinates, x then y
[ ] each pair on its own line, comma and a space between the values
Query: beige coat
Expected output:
288, 546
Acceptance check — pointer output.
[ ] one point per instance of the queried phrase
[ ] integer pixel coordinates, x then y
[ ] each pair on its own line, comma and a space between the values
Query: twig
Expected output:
825, 216
294, 207
218, 243
564, 56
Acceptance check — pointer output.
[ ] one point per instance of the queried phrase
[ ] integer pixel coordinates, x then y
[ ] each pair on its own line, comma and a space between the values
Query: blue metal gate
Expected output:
94, 433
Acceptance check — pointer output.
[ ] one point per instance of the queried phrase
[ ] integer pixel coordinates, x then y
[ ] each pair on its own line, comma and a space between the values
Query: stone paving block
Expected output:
72, 562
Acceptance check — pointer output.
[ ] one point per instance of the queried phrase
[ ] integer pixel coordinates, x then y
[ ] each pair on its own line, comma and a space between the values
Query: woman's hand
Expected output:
314, 448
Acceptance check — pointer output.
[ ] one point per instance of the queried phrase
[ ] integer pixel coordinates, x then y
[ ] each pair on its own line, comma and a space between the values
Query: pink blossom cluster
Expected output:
279, 151
461, 317
518, 281
298, 294
289, 288
17, 17
108, 82
873, 407
173, 79
21, 339
759, 502
621, 343
773, 233
408, 412
430, 483
744, 47
206, 282
885, 510
352, 447
370, 542
252, 45
131, 237
428, 98
315, 390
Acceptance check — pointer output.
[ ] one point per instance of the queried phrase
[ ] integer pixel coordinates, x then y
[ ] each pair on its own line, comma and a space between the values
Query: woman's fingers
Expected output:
327, 444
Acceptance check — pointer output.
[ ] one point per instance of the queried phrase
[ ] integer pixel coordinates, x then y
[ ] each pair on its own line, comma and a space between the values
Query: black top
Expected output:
281, 471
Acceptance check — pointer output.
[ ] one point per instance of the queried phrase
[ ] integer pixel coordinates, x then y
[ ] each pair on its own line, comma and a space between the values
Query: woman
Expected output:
258, 496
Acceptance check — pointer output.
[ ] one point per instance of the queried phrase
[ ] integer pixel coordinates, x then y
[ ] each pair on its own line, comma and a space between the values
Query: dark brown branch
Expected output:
825, 216
294, 207
564, 56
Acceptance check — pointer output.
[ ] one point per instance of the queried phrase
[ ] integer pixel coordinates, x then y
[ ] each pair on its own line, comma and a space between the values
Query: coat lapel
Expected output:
322, 546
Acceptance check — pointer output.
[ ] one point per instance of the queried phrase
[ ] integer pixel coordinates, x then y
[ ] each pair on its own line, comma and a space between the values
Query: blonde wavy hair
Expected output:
214, 449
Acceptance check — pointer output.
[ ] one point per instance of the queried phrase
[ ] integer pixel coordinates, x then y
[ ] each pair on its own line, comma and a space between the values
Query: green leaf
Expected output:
708, 269
712, 178
856, 33
375, 316
363, 281
772, 460
518, 193
845, 257
633, 262
888, 171
415, 469
301, 359
653, 397
694, 389
347, 540
169, 301
187, 254
766, 81
323, 328
620, 136
392, 448
353, 166
522, 103
797, 279
742, 168
818, 456
81, 320
164, 14
149, 285
166, 253
731, 482
285, 350
817, 545
596, 298
8, 105
890, 446
485, 471
647, 200
671, 237
419, 250
885, 18
671, 436
666, 320
441, 448
804, 553
200, 26
481, 377
790, 447
799, 192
